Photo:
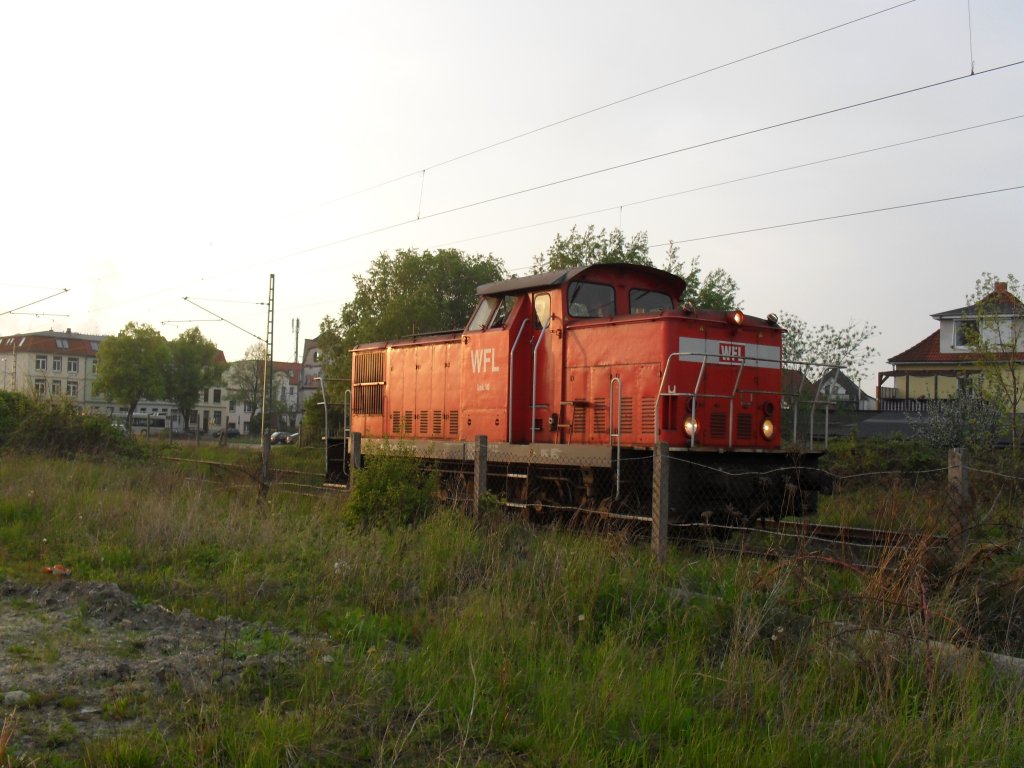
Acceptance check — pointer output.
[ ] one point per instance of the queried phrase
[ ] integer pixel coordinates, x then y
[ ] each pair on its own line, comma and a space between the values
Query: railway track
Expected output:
854, 546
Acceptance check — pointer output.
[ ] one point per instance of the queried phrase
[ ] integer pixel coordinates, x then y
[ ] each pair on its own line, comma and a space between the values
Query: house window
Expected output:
62, 344
40, 386
94, 366
216, 418
72, 365
216, 396
55, 388
40, 362
963, 332
57, 360
231, 405
72, 389
206, 395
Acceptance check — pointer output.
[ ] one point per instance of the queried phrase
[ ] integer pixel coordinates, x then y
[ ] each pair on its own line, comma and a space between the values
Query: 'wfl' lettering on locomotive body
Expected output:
731, 353
484, 360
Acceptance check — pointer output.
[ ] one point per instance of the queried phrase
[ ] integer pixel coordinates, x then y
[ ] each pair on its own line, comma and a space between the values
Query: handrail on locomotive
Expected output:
832, 375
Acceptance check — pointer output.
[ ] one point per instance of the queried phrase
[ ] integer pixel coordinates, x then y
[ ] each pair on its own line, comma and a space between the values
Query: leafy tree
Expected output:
994, 331
192, 366
819, 348
244, 379
580, 249
407, 293
716, 291
131, 366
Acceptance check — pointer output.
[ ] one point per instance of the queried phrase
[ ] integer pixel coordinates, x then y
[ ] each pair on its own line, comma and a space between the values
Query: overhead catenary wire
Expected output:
610, 104
736, 180
419, 216
840, 216
711, 142
650, 158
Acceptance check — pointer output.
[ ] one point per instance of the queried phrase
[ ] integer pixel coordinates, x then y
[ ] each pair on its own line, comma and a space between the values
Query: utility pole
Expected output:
295, 330
268, 364
268, 396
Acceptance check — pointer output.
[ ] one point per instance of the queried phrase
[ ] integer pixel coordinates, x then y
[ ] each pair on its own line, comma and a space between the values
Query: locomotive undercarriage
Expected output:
719, 489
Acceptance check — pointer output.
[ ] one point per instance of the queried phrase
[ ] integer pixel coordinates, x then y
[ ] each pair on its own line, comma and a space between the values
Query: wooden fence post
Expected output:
958, 474
357, 450
479, 473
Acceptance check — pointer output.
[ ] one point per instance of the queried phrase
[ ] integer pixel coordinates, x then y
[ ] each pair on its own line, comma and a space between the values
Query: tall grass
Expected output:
486, 642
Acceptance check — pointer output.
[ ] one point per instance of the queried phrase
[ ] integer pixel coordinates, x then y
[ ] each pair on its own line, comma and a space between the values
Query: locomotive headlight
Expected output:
767, 429
736, 317
690, 426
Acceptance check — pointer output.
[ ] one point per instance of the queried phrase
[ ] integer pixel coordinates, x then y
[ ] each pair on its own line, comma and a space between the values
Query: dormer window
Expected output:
964, 333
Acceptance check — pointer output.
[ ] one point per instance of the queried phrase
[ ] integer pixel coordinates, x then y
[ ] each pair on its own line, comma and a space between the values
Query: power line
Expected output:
840, 216
737, 180
711, 142
37, 301
615, 103
649, 158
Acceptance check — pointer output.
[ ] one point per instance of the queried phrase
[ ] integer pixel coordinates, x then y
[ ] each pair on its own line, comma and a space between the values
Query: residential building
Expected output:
64, 364
53, 364
944, 362
312, 370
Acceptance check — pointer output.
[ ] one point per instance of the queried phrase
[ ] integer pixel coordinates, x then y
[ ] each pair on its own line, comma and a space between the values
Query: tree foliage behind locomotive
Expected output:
574, 367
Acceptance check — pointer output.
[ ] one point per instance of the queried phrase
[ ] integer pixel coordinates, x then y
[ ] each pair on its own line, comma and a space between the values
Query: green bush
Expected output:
57, 428
393, 489
890, 453
13, 406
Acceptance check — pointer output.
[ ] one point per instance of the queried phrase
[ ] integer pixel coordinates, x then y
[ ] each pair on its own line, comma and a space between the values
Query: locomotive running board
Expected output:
534, 453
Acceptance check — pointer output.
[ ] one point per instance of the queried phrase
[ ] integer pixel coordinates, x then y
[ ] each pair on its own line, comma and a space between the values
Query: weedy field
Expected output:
202, 625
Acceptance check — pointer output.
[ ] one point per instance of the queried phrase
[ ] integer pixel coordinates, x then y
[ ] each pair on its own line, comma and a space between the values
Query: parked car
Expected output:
277, 438
229, 432
292, 439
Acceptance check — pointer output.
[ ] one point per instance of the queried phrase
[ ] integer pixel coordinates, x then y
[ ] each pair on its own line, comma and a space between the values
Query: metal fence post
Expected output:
479, 473
659, 503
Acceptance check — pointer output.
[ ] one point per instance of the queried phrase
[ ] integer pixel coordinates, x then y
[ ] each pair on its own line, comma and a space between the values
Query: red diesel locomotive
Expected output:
573, 376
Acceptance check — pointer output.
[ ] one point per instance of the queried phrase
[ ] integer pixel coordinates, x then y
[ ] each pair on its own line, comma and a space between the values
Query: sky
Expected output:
152, 152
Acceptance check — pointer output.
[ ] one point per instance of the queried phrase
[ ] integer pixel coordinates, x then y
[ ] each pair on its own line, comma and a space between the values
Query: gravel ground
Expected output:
77, 658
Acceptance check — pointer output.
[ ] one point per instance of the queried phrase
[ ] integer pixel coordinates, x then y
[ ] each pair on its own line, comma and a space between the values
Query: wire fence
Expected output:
689, 496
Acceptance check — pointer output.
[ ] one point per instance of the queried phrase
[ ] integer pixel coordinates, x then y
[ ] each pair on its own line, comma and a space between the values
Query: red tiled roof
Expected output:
294, 371
927, 351
46, 343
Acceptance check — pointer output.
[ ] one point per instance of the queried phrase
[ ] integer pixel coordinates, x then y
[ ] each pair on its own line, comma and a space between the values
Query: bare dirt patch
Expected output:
85, 660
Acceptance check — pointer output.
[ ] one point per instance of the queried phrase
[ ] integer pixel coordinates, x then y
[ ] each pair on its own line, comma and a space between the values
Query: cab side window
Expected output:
541, 309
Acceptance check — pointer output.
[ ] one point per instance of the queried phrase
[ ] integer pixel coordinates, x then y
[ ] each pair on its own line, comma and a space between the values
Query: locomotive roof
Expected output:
673, 283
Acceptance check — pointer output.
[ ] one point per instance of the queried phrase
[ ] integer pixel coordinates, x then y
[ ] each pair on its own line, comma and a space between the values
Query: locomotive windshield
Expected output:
641, 301
491, 312
591, 299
